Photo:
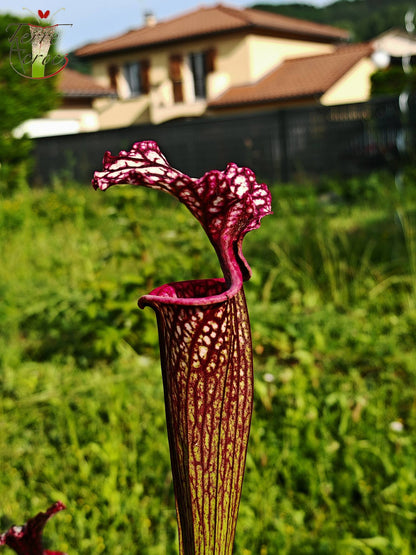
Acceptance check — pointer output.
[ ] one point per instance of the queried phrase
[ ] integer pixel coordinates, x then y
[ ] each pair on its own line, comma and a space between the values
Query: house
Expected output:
76, 112
394, 46
396, 43
338, 77
220, 58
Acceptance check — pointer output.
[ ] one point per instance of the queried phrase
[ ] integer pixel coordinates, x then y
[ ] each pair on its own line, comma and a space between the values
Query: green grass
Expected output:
332, 302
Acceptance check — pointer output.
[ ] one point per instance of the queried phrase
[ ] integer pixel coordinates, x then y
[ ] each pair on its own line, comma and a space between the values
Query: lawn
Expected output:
332, 301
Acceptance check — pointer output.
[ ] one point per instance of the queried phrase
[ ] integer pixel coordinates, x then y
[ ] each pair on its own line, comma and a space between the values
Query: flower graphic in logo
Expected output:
30, 46
43, 15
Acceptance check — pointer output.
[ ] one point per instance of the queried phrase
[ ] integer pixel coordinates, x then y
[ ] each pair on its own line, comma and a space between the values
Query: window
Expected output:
201, 63
197, 62
175, 74
112, 76
137, 76
131, 72
197, 66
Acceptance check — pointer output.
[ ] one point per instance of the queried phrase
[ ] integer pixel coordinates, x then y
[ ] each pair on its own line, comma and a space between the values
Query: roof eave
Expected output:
303, 35
158, 44
272, 100
246, 29
77, 94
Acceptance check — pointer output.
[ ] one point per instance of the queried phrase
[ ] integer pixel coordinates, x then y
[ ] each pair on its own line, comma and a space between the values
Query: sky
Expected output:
95, 20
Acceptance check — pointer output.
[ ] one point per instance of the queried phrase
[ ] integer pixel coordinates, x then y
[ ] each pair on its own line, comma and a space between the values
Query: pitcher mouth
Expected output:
197, 292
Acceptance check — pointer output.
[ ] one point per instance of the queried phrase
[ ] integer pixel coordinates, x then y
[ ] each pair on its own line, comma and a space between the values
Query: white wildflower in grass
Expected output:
396, 426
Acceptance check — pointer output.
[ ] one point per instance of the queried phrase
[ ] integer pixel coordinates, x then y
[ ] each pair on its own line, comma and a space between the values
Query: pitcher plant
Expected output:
205, 344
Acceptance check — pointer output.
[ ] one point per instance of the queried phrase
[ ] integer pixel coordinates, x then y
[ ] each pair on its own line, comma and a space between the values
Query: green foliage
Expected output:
332, 301
392, 81
79, 64
364, 19
22, 99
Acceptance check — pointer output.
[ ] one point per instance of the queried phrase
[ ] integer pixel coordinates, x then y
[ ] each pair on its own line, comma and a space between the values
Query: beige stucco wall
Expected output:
354, 86
113, 113
86, 117
265, 53
99, 71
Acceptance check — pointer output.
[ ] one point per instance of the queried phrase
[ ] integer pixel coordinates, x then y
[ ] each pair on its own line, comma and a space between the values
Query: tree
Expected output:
393, 81
21, 99
364, 19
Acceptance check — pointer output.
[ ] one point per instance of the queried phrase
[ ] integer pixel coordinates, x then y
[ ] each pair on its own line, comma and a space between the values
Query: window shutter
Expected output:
175, 73
113, 72
145, 76
210, 60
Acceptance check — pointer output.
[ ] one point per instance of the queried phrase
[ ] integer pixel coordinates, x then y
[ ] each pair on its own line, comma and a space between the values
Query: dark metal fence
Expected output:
278, 145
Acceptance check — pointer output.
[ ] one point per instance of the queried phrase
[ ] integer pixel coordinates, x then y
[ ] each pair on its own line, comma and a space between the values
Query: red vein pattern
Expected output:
205, 345
208, 382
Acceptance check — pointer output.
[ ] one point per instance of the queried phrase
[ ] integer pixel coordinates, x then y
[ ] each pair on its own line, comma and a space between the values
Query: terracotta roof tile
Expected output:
213, 20
296, 78
74, 83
